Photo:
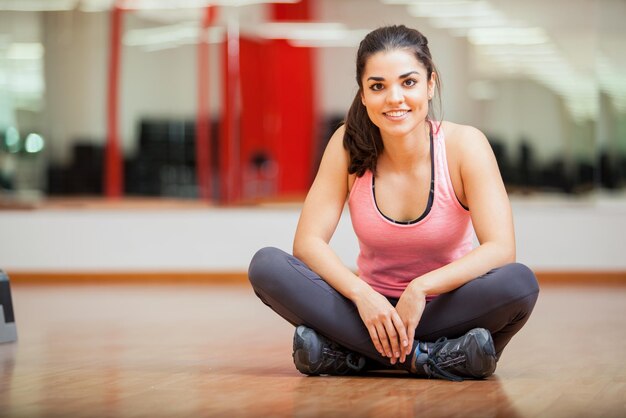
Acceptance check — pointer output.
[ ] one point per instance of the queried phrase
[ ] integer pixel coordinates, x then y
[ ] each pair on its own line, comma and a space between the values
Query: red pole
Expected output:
230, 174
203, 117
114, 169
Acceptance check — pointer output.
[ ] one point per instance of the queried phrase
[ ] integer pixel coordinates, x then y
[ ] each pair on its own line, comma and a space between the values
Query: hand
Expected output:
410, 308
384, 325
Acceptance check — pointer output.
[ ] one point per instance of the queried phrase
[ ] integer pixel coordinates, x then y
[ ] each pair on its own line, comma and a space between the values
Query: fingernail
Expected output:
405, 343
397, 354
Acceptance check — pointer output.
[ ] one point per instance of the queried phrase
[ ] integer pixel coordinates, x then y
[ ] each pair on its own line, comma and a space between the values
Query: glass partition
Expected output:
544, 81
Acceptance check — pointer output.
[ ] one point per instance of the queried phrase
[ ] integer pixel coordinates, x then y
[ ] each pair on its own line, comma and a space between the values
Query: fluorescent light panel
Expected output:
37, 5
190, 4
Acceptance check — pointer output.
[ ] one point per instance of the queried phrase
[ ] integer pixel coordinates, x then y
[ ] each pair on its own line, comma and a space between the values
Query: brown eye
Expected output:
376, 86
410, 82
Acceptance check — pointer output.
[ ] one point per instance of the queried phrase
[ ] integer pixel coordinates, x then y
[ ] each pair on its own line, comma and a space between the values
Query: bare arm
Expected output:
319, 218
321, 213
492, 219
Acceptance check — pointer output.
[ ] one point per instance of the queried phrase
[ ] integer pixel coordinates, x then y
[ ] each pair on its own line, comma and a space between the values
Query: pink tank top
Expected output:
393, 253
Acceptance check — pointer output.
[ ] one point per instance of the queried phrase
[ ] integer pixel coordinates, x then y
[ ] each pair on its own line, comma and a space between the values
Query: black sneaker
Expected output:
472, 356
314, 354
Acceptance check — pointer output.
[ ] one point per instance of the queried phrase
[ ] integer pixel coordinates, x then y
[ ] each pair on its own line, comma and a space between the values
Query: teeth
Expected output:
396, 113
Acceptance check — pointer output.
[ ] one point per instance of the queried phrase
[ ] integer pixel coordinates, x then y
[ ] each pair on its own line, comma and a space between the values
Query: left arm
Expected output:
492, 219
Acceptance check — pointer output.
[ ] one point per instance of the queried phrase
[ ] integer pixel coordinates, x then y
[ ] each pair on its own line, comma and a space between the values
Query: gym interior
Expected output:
148, 148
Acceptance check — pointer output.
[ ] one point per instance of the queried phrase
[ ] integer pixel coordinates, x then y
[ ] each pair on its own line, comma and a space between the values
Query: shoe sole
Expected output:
305, 342
481, 360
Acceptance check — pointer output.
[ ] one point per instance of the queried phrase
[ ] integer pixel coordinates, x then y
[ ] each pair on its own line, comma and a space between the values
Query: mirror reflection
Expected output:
234, 102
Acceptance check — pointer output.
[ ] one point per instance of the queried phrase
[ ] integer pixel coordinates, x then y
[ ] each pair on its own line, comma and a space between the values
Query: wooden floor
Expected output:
192, 351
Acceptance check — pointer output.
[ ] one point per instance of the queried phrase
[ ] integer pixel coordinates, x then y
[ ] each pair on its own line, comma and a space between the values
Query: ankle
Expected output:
419, 348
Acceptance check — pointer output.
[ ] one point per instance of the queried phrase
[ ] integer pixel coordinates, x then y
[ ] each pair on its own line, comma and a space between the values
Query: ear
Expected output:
432, 83
362, 98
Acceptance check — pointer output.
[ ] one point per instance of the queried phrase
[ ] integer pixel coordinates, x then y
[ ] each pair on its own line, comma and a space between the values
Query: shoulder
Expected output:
464, 141
337, 136
335, 149
462, 135
339, 156
335, 161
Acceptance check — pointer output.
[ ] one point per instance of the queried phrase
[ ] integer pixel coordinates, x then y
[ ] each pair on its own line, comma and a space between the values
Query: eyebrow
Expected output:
401, 76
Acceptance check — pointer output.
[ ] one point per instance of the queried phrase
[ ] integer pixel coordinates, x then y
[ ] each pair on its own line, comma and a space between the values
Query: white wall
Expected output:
557, 235
525, 109
75, 68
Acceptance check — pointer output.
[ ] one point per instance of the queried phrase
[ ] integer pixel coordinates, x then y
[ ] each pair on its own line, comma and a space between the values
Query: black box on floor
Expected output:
8, 330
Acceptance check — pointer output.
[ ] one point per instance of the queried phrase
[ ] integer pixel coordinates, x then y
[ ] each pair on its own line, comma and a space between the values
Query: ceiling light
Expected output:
507, 36
25, 51
96, 5
190, 4
37, 5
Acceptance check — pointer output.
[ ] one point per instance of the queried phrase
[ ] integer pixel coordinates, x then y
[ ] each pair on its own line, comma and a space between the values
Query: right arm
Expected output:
319, 218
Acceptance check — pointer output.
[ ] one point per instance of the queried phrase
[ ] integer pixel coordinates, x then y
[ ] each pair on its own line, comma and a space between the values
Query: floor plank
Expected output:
193, 350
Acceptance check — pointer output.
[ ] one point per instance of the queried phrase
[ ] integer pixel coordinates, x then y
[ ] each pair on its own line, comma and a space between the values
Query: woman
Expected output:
424, 299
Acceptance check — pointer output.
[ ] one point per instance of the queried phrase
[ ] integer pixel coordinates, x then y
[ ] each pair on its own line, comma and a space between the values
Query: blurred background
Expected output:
234, 100
150, 142
231, 102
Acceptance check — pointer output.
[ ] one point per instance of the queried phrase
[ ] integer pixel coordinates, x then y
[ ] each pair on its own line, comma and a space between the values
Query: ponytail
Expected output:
361, 138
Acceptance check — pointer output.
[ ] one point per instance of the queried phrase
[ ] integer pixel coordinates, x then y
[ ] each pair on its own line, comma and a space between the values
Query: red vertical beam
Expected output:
293, 102
230, 167
203, 116
114, 169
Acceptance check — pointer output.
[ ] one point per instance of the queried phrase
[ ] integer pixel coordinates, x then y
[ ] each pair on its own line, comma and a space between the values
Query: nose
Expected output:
394, 95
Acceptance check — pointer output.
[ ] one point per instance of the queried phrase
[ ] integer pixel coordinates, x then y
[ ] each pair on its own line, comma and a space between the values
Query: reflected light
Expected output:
34, 143
25, 51
612, 82
12, 139
190, 4
301, 34
309, 34
507, 36
104, 5
172, 36
96, 5
37, 5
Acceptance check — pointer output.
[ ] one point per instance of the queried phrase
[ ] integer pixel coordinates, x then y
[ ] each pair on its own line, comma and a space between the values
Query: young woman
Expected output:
424, 299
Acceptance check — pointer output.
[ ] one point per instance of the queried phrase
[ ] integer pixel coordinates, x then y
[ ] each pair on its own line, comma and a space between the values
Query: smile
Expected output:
396, 114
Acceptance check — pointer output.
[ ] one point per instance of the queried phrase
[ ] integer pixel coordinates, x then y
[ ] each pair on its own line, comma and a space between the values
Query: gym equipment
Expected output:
8, 330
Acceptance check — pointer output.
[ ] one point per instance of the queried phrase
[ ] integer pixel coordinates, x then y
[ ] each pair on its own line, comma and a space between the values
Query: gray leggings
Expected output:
500, 301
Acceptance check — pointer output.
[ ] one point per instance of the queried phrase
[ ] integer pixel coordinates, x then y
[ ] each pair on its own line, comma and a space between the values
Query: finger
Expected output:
410, 337
392, 334
375, 339
382, 335
401, 330
395, 330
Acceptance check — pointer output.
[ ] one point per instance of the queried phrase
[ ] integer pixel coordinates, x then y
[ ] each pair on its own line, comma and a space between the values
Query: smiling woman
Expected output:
418, 189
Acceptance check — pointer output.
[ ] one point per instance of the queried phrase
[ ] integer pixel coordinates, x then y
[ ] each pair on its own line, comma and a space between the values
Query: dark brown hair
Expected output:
362, 138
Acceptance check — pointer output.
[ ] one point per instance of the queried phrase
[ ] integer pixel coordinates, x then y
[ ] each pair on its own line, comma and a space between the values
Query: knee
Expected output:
525, 276
514, 282
521, 282
263, 265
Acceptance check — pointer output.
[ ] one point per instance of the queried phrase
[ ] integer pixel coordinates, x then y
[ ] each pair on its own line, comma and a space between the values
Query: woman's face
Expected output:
396, 91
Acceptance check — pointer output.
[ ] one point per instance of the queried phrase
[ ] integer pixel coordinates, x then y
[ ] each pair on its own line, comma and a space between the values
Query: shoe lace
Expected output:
438, 363
335, 357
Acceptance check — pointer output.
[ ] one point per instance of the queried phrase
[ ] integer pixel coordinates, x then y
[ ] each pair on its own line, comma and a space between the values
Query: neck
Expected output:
406, 152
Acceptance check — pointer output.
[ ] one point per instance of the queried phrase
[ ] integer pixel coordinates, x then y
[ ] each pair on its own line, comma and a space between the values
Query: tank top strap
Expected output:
444, 190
